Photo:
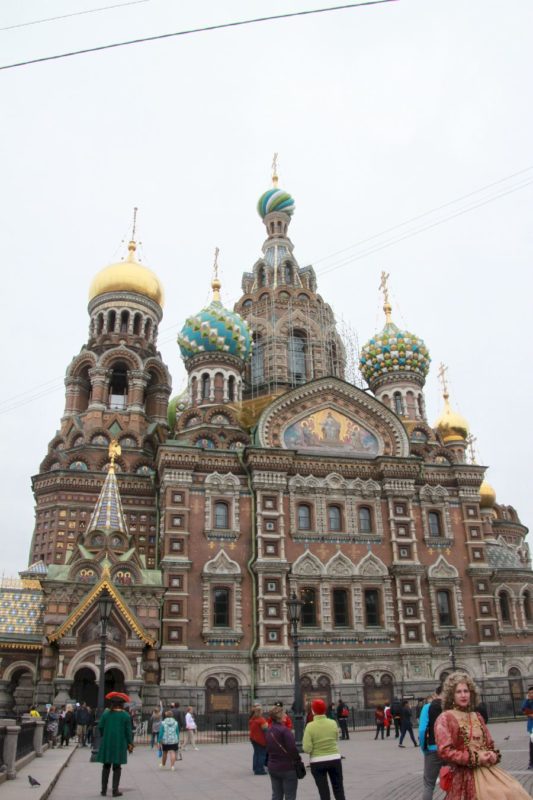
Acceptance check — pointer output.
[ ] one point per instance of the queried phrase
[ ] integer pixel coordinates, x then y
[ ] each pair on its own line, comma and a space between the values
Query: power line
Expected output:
197, 30
73, 14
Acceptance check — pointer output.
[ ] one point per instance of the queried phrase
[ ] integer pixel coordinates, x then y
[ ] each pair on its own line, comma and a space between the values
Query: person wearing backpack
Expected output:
168, 737
426, 739
396, 711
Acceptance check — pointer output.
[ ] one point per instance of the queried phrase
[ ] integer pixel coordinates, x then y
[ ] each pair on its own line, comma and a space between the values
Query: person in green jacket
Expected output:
320, 741
116, 742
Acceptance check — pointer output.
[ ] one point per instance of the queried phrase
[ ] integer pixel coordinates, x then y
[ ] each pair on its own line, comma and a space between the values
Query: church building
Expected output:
271, 474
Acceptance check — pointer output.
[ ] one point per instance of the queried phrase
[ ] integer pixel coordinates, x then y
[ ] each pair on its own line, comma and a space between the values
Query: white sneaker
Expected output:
172, 769
196, 748
160, 765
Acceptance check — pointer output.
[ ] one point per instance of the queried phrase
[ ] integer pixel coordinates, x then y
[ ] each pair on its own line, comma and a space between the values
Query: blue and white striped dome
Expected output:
215, 330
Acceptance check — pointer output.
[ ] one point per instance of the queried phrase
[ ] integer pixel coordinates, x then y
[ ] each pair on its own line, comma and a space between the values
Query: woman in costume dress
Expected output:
465, 744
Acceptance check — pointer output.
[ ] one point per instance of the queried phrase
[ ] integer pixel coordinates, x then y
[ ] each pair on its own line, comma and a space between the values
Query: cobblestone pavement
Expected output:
373, 770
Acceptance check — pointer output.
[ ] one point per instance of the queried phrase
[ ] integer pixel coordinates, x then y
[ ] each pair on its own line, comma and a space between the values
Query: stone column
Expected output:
10, 750
38, 737
62, 687
99, 381
137, 382
133, 688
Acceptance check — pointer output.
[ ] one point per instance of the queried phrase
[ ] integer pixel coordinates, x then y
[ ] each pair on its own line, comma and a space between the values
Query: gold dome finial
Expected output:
387, 308
452, 426
487, 495
471, 442
114, 451
275, 171
132, 244
215, 283
443, 369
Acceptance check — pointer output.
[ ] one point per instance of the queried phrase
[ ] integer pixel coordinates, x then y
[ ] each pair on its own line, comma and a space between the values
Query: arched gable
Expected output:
372, 565
308, 565
221, 564
110, 357
340, 565
442, 569
330, 416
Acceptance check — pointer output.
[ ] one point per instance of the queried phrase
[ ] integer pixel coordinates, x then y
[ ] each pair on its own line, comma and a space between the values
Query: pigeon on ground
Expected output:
506, 738
32, 781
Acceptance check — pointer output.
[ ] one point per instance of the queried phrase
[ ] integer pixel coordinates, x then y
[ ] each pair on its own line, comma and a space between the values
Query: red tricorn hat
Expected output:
120, 696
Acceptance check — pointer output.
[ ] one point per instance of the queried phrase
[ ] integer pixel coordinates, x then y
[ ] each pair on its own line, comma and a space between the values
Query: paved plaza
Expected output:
373, 770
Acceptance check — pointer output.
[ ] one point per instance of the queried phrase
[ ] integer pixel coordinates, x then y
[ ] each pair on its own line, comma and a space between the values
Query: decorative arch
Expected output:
340, 565
111, 357
308, 565
115, 660
221, 564
371, 565
442, 569
81, 362
17, 666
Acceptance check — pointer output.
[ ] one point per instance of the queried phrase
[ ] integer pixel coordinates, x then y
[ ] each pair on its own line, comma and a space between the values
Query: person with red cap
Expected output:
117, 740
321, 742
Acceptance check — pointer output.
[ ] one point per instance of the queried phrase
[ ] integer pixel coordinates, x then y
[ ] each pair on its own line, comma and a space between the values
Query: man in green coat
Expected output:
117, 740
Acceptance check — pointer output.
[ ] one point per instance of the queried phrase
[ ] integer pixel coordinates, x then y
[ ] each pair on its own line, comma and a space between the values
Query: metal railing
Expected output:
25, 739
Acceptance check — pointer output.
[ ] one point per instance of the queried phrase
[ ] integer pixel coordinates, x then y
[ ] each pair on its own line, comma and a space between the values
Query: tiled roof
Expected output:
108, 514
502, 557
21, 611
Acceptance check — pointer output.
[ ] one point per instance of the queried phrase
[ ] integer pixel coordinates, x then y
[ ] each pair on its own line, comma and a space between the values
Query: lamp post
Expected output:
294, 607
105, 606
452, 639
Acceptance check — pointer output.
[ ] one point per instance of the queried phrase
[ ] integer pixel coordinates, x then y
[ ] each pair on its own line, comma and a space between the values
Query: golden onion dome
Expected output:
128, 276
487, 495
451, 425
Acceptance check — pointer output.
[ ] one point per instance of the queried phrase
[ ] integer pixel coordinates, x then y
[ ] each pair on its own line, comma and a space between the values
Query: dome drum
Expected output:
119, 299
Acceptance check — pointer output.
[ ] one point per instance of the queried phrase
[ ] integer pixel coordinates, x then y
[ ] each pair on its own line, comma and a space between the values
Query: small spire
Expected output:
114, 451
471, 442
275, 171
387, 308
443, 369
215, 283
132, 244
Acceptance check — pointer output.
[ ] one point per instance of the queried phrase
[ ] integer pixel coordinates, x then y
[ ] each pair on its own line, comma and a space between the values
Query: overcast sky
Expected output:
379, 115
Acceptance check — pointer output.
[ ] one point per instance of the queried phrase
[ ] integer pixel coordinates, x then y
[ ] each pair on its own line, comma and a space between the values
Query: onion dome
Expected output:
215, 330
275, 200
393, 351
451, 425
176, 405
128, 276
487, 495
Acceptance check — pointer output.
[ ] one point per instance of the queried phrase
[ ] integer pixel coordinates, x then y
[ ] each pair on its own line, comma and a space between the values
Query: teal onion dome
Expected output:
275, 200
176, 406
215, 330
393, 351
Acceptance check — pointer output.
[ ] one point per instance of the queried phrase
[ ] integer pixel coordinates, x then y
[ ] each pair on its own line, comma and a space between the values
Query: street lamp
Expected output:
451, 638
105, 606
294, 607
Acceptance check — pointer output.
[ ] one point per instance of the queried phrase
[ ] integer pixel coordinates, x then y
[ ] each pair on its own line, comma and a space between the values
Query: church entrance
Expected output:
222, 698
85, 686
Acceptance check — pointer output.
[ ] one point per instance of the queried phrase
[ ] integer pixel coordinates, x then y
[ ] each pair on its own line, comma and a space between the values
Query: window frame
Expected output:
225, 612
337, 593
367, 592
219, 505
299, 508
338, 526
309, 603
446, 617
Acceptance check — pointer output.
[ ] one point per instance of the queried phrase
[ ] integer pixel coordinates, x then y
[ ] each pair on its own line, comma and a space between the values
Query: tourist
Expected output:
51, 722
286, 720
406, 724
282, 753
396, 711
467, 748
379, 716
321, 742
191, 728
154, 725
426, 739
34, 713
343, 713
66, 725
82, 718
168, 737
116, 741
388, 720
527, 709
257, 726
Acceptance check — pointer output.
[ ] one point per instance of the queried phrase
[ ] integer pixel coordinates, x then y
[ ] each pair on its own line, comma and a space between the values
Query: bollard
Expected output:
38, 735
10, 750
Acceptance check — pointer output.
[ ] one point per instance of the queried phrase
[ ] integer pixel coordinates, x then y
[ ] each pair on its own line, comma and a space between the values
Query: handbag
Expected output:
445, 778
299, 766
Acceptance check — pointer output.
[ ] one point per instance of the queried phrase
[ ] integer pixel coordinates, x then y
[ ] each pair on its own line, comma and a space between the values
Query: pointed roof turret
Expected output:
108, 514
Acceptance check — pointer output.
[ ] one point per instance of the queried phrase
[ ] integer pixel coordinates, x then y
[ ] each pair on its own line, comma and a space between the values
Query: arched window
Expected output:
100, 324
398, 404
341, 617
365, 520
221, 606
124, 321
526, 601
444, 607
420, 402
261, 277
258, 359
221, 515
505, 607
231, 388
111, 319
205, 386
304, 517
297, 356
287, 273
147, 328
334, 518
308, 610
137, 320
435, 528
372, 608
118, 387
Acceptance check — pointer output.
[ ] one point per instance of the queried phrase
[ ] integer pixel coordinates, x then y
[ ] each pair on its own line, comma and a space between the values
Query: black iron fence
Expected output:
25, 739
2, 740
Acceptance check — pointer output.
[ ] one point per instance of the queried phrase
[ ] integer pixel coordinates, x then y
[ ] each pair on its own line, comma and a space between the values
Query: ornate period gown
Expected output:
460, 736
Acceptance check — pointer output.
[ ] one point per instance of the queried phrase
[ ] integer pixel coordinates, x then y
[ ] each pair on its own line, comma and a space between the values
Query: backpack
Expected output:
345, 712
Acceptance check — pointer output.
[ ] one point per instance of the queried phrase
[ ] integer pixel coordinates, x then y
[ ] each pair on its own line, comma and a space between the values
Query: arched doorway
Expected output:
321, 688
377, 692
21, 690
85, 688
516, 687
221, 698
114, 680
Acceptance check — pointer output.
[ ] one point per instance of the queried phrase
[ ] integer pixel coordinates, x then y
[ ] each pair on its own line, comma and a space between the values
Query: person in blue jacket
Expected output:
527, 709
426, 739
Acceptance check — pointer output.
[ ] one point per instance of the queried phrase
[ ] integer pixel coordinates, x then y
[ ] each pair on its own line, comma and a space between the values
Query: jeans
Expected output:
259, 759
320, 771
343, 725
432, 765
284, 784
379, 727
408, 729
396, 727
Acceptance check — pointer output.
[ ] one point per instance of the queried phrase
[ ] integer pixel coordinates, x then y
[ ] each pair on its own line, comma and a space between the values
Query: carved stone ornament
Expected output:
442, 569
340, 565
221, 564
308, 564
372, 565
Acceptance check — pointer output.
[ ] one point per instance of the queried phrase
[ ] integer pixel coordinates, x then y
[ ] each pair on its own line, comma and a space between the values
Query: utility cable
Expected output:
204, 29
72, 14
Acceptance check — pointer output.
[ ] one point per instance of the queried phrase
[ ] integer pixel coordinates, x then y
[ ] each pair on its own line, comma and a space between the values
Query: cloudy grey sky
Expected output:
379, 115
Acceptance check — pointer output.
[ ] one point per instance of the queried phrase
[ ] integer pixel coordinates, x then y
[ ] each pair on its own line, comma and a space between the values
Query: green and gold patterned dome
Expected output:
392, 351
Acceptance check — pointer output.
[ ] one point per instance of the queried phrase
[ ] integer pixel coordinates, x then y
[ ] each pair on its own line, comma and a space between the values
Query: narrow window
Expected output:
527, 606
505, 608
205, 387
371, 608
258, 356
444, 607
340, 608
398, 404
435, 528
231, 388
100, 324
304, 517
334, 518
297, 357
308, 611
365, 520
221, 515
147, 328
221, 608
124, 321
137, 319
111, 319
118, 387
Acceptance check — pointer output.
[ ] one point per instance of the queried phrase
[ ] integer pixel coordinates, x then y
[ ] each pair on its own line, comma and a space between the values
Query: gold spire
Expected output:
114, 451
215, 283
471, 442
387, 308
132, 244
452, 426
275, 171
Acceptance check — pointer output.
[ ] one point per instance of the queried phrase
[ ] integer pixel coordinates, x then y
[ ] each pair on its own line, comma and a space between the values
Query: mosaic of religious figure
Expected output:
329, 431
